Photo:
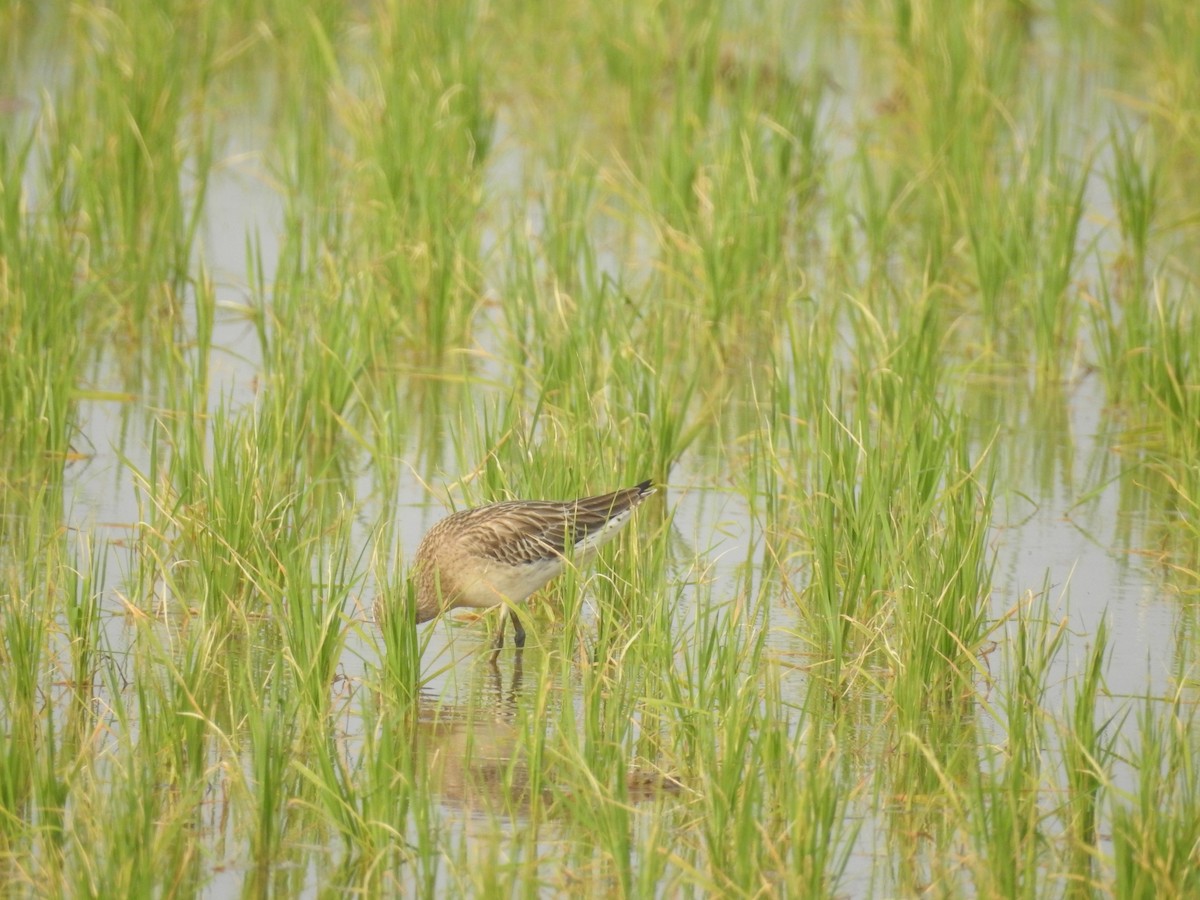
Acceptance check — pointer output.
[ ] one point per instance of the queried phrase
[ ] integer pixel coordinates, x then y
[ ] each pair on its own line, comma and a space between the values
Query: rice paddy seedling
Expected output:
43, 310
566, 223
395, 614
423, 131
1008, 855
135, 70
1088, 755
1056, 318
1155, 829
1136, 187
81, 612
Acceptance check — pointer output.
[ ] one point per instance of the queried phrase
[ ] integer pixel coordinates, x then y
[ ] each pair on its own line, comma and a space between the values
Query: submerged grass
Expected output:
825, 266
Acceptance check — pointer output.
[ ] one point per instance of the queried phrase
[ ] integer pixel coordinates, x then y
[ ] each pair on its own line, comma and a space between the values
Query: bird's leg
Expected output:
518, 628
498, 644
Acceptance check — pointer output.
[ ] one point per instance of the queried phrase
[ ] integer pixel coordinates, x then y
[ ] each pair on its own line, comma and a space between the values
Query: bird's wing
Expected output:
527, 532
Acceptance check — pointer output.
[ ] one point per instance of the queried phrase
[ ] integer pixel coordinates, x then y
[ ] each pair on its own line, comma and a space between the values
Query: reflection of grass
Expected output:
833, 264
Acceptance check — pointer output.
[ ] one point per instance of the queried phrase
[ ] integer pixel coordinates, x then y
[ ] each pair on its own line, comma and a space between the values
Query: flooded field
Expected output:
896, 302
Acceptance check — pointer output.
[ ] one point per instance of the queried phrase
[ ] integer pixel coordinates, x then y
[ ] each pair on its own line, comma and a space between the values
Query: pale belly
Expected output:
494, 584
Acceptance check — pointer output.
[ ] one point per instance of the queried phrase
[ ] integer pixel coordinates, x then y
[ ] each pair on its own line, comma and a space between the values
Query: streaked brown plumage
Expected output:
504, 552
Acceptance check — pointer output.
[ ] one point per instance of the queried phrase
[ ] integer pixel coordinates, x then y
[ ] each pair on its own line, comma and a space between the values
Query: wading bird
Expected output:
504, 552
